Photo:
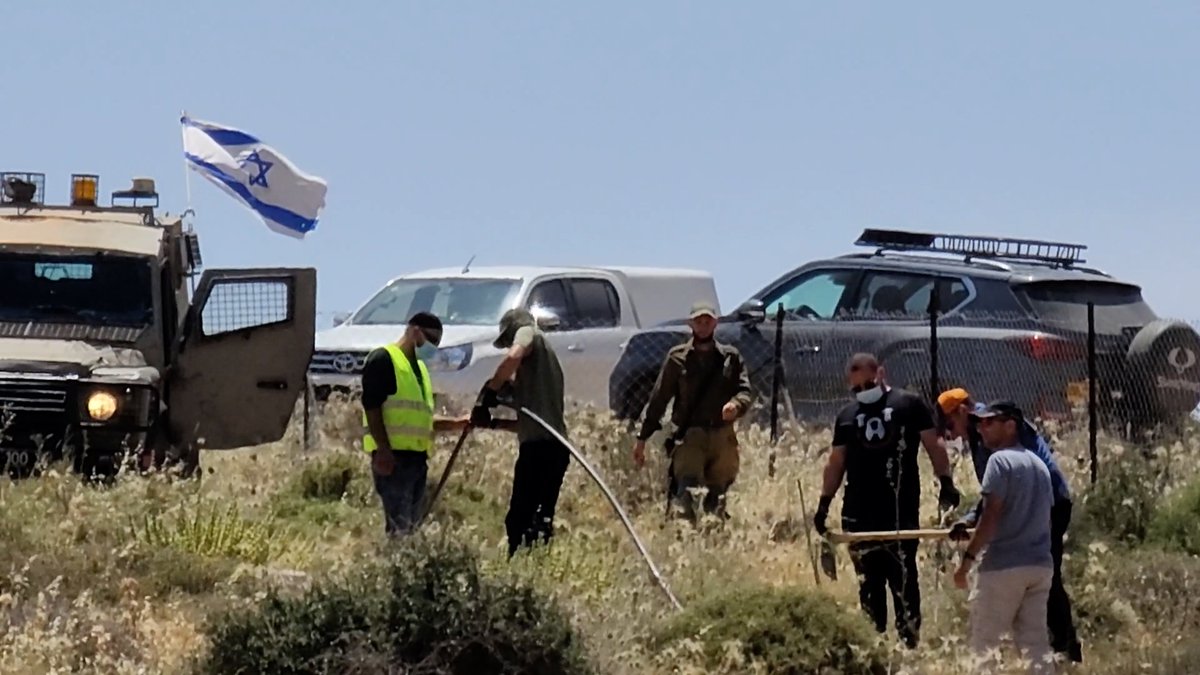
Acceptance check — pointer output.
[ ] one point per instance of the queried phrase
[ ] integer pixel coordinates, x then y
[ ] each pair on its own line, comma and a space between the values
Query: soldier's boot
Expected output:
685, 498
715, 502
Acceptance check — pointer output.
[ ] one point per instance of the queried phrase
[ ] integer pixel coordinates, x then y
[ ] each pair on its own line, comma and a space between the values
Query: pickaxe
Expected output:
828, 561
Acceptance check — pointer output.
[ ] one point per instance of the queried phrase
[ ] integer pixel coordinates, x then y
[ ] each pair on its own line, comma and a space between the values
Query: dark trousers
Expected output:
890, 567
402, 491
1063, 637
537, 478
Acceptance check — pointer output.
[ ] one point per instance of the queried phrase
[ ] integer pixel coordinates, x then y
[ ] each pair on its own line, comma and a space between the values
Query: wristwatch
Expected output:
967, 555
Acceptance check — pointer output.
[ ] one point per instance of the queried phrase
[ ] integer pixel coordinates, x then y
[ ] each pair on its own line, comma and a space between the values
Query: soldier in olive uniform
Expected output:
711, 388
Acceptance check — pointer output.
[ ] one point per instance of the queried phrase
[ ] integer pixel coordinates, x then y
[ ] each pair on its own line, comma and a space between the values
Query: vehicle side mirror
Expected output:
340, 318
546, 319
752, 312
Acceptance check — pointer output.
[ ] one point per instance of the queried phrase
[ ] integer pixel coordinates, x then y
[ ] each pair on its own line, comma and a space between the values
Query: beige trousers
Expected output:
1012, 602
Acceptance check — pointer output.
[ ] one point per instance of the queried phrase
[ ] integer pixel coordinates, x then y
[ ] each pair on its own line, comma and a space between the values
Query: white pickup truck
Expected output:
588, 314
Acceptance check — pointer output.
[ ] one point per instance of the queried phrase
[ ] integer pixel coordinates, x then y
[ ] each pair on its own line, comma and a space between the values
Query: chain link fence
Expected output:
1090, 372
1092, 368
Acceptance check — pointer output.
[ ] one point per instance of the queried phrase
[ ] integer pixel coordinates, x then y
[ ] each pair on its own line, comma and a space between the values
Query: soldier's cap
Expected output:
509, 323
999, 409
948, 401
703, 309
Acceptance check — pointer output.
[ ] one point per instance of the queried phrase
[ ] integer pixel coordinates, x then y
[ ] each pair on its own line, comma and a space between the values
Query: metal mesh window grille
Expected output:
240, 304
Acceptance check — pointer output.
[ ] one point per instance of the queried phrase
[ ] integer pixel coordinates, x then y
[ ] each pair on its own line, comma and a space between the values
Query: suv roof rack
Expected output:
973, 246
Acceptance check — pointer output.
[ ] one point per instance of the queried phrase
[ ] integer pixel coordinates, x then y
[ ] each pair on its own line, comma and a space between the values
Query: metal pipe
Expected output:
462, 438
611, 500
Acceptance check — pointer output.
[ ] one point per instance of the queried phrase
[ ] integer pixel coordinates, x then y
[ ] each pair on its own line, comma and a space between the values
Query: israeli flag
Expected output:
288, 200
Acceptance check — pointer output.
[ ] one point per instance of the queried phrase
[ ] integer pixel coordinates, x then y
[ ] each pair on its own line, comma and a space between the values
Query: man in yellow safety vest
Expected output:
398, 419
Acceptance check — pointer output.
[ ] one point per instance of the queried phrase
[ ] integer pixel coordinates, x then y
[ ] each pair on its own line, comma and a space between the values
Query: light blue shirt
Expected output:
1022, 538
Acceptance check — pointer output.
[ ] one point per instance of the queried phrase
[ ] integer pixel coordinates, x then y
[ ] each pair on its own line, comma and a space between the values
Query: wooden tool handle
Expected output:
888, 535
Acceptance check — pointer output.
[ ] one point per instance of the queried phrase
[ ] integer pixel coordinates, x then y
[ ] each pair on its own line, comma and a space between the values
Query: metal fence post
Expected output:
934, 304
777, 374
306, 431
1093, 422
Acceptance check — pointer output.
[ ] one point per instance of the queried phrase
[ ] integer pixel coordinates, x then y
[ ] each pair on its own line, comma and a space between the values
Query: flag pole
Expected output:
187, 173
188, 213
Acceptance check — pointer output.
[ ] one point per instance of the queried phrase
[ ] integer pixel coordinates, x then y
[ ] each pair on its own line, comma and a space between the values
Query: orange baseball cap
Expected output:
949, 400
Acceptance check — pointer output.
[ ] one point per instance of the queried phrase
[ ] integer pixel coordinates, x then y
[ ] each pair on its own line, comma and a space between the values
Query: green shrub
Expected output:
1120, 506
1176, 526
429, 605
208, 531
1163, 589
790, 630
1115, 590
1166, 657
328, 479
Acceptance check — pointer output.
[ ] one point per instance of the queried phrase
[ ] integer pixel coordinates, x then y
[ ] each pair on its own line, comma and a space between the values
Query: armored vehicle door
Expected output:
243, 357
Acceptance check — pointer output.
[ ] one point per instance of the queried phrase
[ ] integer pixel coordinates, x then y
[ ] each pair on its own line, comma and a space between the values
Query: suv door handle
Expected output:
808, 349
272, 384
575, 348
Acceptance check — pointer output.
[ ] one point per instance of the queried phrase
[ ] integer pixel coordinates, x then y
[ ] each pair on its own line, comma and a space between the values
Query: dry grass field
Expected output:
155, 575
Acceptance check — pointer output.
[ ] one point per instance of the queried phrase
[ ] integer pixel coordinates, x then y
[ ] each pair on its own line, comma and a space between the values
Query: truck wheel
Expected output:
1164, 372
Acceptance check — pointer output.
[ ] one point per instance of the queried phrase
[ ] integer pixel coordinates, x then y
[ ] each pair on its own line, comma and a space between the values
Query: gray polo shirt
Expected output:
1022, 539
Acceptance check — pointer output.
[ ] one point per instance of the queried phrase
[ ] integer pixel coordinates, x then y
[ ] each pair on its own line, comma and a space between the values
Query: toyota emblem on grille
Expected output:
344, 363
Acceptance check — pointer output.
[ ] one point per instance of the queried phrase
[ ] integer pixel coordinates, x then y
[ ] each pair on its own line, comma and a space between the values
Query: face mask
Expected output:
869, 396
427, 351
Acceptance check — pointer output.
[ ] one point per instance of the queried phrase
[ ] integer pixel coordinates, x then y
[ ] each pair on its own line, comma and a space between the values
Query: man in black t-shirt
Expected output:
875, 442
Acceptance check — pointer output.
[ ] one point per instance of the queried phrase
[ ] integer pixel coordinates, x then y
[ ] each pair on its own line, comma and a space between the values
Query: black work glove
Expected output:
822, 514
488, 398
958, 531
481, 417
949, 497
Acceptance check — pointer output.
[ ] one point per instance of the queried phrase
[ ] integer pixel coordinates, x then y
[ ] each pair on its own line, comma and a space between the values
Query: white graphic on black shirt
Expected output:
875, 431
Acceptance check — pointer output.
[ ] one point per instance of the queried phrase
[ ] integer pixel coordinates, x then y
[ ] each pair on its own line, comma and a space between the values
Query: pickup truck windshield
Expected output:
457, 302
77, 289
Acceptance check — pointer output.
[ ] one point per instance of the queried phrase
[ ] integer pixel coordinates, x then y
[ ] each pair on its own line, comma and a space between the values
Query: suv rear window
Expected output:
1117, 305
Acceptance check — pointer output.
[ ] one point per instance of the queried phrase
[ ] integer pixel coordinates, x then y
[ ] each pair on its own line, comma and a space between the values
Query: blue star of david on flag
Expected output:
239, 163
263, 165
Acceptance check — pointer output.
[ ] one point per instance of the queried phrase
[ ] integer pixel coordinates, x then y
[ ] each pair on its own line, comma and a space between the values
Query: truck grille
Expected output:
32, 396
69, 331
338, 363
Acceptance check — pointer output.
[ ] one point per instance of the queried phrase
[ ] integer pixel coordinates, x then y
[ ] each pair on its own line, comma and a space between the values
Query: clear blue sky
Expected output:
743, 139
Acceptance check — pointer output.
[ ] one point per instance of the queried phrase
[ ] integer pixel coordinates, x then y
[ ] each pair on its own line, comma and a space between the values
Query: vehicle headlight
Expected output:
102, 405
452, 358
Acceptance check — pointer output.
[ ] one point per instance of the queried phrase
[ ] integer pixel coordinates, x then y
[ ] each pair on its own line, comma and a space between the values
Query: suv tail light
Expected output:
1043, 347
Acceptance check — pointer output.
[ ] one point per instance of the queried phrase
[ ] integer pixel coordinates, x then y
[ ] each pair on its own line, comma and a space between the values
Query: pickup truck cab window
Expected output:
551, 295
596, 303
816, 295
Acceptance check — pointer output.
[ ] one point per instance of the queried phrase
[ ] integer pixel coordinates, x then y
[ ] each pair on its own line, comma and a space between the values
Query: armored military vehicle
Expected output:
112, 351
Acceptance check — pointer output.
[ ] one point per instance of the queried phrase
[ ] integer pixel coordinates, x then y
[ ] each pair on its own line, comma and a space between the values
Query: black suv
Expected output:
1012, 322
